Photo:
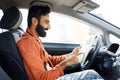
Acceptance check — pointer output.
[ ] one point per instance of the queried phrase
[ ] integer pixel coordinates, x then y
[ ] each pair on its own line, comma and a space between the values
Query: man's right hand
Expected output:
72, 59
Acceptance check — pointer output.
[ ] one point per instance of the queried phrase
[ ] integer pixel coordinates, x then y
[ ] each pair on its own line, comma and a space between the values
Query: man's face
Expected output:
43, 25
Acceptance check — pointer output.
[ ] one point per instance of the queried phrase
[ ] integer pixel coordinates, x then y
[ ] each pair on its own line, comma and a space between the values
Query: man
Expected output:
38, 63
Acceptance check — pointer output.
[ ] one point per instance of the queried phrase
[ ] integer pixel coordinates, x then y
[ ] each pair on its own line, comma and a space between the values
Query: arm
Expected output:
71, 58
56, 59
67, 59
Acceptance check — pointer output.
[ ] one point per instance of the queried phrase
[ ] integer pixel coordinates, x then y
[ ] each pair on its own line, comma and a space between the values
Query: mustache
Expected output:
45, 28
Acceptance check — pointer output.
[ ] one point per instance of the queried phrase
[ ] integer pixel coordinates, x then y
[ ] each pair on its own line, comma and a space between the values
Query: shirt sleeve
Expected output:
56, 59
33, 59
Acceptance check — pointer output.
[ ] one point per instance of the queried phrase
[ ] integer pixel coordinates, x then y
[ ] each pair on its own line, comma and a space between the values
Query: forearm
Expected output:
62, 65
67, 62
57, 59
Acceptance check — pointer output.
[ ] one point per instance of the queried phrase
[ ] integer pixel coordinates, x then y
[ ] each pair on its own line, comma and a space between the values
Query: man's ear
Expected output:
34, 21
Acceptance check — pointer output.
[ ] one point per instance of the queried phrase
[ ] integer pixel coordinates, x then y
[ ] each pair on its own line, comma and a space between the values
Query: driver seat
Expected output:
10, 58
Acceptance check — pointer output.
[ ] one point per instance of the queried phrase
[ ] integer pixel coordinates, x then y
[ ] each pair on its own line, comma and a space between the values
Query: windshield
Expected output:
108, 11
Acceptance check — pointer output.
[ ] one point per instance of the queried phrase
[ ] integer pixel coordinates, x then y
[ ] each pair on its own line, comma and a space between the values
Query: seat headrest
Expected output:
11, 19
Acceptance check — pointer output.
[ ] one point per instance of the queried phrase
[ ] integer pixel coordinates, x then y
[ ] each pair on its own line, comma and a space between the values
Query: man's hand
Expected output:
72, 53
71, 59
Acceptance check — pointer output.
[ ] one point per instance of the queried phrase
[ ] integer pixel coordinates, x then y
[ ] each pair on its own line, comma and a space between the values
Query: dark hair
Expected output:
37, 11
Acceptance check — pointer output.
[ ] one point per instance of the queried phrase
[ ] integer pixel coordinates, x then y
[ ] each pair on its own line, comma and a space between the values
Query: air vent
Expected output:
85, 6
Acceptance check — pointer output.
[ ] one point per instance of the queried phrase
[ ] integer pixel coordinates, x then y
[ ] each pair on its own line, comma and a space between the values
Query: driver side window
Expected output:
114, 39
1, 14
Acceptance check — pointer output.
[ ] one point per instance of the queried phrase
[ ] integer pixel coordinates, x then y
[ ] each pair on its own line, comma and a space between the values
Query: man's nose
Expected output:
49, 26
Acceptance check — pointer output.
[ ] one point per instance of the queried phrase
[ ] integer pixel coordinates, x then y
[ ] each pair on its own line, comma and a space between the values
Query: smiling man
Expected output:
38, 63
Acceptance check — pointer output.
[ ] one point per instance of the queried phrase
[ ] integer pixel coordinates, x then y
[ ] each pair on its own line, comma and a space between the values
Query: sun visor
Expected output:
41, 3
85, 6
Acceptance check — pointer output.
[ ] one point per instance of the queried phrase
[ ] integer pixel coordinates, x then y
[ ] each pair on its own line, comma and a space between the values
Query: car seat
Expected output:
10, 58
17, 32
3, 75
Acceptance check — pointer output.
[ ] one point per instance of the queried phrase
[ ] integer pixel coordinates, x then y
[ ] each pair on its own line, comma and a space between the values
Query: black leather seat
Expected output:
10, 59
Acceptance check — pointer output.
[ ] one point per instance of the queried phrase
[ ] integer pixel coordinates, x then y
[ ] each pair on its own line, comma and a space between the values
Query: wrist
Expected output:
67, 55
63, 64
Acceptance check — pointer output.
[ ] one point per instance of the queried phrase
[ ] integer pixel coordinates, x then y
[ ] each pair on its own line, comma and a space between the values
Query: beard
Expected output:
41, 30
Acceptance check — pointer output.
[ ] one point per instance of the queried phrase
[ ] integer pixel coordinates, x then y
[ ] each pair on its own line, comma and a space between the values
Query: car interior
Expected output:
10, 57
3, 75
101, 55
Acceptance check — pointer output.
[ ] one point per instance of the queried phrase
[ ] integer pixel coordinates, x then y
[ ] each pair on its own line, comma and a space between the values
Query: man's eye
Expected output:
46, 22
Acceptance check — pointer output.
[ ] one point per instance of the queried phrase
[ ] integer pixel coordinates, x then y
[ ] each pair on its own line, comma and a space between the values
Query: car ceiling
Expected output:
62, 6
25, 3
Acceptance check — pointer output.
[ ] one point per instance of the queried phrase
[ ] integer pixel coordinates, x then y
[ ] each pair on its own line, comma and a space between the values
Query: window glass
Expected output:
1, 14
108, 10
114, 39
0, 30
64, 29
24, 21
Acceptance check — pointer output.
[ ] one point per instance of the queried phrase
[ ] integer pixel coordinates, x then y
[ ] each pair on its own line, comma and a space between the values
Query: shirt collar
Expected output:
32, 34
29, 31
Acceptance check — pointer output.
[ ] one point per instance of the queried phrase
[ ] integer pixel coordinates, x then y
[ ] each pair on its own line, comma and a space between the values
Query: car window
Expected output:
64, 29
114, 39
24, 21
1, 14
108, 11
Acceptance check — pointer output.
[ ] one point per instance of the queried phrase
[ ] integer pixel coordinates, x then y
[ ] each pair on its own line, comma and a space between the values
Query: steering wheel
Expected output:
89, 59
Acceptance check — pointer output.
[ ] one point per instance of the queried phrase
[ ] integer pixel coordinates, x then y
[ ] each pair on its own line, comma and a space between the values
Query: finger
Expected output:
80, 46
78, 54
76, 50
